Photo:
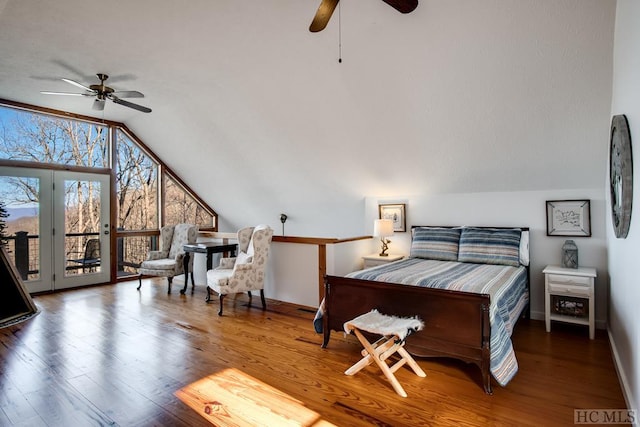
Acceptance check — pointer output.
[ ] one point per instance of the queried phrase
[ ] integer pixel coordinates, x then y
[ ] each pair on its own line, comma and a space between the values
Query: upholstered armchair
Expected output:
244, 273
169, 260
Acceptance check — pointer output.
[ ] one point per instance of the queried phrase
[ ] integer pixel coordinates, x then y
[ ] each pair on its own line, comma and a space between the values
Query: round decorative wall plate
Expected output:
620, 175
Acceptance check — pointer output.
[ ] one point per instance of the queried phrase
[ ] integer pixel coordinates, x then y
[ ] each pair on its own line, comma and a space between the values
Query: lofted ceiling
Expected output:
255, 113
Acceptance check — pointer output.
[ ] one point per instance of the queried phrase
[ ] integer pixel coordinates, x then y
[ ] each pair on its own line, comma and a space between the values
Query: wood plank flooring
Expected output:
111, 355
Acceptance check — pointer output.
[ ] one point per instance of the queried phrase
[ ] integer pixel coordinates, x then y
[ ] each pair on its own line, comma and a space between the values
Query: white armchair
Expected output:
169, 260
244, 273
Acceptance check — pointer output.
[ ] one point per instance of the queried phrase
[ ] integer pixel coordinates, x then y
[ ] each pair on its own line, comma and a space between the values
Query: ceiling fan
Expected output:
102, 93
327, 7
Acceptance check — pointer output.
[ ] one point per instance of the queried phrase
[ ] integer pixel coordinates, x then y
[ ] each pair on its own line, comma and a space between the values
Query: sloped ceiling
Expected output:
256, 114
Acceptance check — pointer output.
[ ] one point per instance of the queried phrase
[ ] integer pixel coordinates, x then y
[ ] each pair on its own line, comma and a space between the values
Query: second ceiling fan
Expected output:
328, 6
102, 92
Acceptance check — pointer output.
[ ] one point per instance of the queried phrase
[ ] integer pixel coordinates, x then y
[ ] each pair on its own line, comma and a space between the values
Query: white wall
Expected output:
293, 273
624, 265
257, 116
459, 96
523, 209
293, 269
344, 258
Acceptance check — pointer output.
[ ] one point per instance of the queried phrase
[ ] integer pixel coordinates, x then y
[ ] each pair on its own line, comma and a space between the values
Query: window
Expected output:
35, 135
136, 186
180, 206
49, 139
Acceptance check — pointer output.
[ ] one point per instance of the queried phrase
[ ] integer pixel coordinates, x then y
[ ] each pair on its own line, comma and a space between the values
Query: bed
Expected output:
468, 284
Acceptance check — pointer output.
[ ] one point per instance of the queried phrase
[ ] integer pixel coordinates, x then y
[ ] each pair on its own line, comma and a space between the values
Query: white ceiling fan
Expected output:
101, 92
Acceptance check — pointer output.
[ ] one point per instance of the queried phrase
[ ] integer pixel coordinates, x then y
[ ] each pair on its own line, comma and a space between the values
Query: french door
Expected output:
59, 224
81, 229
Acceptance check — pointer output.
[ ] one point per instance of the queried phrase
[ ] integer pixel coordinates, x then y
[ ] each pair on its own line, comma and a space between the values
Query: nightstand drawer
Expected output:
569, 289
375, 260
562, 280
373, 263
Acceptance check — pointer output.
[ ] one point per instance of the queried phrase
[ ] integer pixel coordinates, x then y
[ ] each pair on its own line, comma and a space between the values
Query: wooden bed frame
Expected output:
469, 339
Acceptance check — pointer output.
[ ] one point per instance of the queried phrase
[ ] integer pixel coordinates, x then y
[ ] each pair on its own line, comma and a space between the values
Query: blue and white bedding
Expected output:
507, 286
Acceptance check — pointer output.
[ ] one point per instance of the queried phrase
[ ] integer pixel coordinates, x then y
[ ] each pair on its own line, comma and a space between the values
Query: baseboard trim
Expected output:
622, 376
537, 315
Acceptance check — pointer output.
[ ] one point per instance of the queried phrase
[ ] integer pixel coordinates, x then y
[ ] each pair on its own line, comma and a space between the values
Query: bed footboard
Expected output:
456, 323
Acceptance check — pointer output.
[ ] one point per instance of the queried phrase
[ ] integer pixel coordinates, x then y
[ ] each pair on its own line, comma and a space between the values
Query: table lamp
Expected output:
383, 228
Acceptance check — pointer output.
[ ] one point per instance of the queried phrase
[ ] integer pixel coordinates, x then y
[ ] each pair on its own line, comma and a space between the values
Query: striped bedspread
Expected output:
506, 285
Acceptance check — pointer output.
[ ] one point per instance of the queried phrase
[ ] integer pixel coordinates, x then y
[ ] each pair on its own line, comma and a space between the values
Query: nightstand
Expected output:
569, 296
375, 259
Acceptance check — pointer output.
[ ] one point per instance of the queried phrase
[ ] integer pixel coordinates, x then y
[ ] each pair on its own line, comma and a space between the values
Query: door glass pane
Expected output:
20, 196
82, 227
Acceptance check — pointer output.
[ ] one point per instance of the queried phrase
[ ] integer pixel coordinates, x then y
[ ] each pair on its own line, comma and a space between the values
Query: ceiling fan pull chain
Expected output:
340, 33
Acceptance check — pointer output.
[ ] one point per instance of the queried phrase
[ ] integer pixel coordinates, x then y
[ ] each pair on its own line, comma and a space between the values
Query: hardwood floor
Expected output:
111, 355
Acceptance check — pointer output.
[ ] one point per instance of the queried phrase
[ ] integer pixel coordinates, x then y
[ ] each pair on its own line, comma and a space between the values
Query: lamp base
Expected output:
385, 246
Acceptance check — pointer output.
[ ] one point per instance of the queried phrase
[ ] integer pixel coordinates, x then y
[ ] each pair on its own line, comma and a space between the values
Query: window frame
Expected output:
112, 128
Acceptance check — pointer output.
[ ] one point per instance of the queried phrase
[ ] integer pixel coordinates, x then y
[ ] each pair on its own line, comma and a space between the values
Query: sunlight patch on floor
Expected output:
233, 398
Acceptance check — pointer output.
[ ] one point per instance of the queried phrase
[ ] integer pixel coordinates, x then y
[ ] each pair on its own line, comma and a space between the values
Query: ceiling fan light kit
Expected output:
102, 92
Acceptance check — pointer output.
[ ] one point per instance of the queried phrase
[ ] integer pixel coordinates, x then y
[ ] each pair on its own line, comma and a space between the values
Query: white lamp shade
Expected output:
383, 227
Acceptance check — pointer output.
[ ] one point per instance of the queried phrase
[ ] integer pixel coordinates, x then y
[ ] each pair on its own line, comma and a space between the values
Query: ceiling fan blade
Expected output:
46, 92
325, 10
129, 104
128, 94
80, 85
98, 104
402, 6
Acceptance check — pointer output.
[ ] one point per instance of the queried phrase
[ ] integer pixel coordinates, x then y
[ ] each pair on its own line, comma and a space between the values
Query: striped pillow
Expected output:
490, 246
435, 243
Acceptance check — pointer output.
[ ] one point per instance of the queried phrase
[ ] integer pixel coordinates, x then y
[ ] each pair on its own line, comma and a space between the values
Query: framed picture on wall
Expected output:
396, 213
569, 218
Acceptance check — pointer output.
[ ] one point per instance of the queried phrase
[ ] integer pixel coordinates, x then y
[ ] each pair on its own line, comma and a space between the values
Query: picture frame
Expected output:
570, 218
396, 213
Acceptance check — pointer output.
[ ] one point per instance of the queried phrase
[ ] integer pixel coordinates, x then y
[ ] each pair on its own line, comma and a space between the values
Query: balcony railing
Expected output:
24, 251
25, 254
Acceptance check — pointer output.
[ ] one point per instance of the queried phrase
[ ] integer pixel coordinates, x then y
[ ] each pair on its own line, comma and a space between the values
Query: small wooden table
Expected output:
208, 248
